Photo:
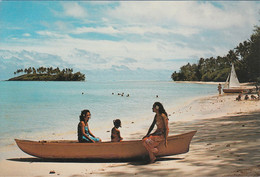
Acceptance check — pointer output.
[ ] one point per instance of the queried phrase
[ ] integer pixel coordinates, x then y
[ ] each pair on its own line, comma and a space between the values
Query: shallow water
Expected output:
50, 110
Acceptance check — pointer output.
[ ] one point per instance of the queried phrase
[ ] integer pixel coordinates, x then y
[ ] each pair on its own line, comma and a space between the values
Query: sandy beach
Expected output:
226, 144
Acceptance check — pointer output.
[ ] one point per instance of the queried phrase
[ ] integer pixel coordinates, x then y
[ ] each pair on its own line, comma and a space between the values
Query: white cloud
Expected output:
73, 9
128, 60
160, 30
104, 30
26, 35
25, 58
105, 53
84, 59
62, 26
139, 30
51, 34
189, 14
208, 16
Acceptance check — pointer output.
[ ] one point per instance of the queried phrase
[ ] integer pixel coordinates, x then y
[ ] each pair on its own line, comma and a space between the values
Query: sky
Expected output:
120, 40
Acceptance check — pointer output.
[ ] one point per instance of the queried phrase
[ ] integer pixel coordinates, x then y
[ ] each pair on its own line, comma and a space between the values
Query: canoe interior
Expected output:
71, 149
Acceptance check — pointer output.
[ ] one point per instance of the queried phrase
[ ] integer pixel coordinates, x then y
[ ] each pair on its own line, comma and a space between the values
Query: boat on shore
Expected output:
232, 84
70, 149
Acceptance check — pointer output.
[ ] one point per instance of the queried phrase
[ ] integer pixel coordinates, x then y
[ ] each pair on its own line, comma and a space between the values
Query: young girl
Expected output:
115, 133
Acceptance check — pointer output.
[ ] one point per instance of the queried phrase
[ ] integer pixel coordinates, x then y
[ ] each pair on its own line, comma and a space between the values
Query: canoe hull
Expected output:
66, 149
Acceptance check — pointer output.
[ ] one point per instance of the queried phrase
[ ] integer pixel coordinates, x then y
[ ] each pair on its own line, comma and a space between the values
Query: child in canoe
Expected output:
115, 133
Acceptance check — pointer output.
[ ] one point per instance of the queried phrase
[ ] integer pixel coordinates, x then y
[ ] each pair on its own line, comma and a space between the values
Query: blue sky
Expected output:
120, 40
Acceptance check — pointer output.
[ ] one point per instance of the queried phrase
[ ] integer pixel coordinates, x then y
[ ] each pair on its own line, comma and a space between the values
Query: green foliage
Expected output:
48, 74
246, 58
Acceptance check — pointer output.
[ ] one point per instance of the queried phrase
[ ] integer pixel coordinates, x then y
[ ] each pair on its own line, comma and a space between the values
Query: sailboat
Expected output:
232, 84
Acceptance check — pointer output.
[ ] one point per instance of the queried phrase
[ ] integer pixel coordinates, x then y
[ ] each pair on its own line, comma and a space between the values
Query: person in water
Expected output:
152, 141
115, 133
84, 134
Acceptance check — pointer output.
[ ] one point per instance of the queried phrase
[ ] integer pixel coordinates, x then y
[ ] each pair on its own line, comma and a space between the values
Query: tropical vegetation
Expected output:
47, 74
246, 58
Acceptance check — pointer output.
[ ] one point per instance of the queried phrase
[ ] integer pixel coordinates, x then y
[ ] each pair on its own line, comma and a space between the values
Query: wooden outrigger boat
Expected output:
238, 90
69, 149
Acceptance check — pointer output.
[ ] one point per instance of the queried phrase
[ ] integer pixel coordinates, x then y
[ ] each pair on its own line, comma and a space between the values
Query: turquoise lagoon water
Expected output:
50, 110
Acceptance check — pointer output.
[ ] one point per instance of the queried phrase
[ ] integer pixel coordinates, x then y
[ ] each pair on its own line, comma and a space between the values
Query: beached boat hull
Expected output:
234, 90
67, 149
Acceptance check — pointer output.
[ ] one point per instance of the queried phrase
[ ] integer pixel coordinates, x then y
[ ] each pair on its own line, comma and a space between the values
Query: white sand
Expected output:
225, 144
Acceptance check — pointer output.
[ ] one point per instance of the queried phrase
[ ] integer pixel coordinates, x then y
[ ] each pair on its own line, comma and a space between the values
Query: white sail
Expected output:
233, 78
227, 82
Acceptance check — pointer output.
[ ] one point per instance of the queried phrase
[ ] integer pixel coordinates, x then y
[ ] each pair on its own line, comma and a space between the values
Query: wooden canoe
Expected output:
69, 149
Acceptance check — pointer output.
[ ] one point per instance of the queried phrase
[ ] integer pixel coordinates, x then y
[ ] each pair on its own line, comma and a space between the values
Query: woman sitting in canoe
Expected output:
84, 134
151, 141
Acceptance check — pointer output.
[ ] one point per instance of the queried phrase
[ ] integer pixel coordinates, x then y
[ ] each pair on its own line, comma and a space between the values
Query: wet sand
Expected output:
226, 144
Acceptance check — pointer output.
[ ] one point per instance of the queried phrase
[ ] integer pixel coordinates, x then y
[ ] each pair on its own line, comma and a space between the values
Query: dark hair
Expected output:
117, 122
161, 108
83, 114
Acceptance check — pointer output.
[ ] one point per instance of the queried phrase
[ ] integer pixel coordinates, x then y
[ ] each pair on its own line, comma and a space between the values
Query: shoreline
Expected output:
199, 82
213, 83
226, 141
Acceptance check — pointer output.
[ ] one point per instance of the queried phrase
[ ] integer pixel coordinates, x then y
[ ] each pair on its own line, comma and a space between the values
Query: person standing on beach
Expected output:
219, 89
115, 133
84, 134
152, 141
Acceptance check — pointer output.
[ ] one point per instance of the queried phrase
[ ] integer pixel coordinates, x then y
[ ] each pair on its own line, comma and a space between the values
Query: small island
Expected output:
47, 74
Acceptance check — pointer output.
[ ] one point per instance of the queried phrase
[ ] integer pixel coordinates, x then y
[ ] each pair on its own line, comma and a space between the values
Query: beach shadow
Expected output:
230, 141
34, 159
146, 162
168, 159
136, 161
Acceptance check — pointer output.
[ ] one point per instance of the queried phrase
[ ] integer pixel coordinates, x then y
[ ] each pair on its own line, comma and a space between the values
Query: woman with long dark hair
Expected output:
84, 134
151, 141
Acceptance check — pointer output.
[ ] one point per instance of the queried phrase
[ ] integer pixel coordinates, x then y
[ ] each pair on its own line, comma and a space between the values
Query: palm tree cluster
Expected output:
43, 73
43, 70
246, 58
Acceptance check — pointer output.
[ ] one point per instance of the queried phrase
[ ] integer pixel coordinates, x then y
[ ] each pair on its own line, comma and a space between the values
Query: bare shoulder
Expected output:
81, 123
114, 130
164, 116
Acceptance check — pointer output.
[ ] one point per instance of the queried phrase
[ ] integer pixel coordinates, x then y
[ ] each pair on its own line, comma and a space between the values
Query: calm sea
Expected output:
50, 110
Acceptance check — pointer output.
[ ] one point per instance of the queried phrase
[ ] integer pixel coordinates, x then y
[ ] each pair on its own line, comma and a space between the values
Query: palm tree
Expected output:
39, 70
232, 56
29, 71
34, 70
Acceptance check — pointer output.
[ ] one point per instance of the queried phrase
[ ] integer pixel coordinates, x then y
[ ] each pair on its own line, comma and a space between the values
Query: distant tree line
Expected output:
53, 74
246, 58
